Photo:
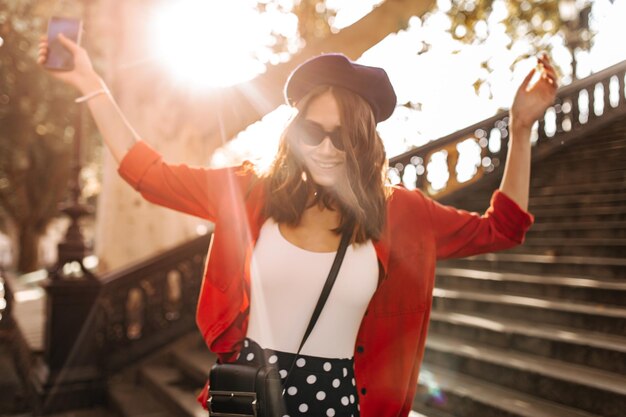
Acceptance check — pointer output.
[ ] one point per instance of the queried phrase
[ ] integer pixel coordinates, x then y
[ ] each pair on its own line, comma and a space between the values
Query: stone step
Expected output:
591, 349
590, 241
572, 173
588, 159
578, 315
589, 229
582, 158
557, 215
130, 399
579, 387
613, 151
82, 412
587, 247
472, 397
611, 134
512, 283
579, 188
606, 268
195, 362
13, 395
422, 410
574, 201
613, 156
591, 199
173, 389
550, 178
585, 214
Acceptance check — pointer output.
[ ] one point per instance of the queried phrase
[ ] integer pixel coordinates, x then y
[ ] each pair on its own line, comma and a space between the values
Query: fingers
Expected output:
43, 50
68, 43
548, 73
549, 79
528, 78
544, 59
548, 76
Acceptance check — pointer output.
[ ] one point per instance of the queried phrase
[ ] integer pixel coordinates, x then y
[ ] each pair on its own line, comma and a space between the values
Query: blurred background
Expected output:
202, 82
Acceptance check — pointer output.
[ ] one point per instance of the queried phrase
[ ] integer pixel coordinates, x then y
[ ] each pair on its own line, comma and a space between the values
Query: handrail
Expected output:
578, 108
148, 304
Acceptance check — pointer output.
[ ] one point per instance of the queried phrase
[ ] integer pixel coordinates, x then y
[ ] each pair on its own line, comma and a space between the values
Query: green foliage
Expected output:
314, 22
531, 20
534, 22
314, 19
36, 115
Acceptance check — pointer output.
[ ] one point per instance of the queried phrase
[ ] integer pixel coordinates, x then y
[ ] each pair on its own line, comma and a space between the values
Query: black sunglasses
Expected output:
312, 134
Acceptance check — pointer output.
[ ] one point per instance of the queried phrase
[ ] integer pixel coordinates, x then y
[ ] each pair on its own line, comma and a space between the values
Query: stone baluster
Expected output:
559, 115
418, 161
606, 85
575, 112
586, 109
541, 130
621, 81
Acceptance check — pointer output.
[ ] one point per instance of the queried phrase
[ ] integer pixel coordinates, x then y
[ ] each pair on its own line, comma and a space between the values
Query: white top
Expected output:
286, 282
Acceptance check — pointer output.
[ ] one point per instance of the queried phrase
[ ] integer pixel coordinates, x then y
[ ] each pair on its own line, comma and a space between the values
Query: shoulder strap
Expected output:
330, 281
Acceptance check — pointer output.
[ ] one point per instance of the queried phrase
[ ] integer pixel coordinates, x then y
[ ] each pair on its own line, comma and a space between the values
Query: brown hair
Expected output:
361, 199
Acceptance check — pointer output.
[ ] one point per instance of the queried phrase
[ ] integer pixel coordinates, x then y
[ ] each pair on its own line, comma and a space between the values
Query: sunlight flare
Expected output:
202, 42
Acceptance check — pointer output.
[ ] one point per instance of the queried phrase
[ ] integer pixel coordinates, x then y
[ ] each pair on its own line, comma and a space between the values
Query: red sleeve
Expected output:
459, 233
191, 190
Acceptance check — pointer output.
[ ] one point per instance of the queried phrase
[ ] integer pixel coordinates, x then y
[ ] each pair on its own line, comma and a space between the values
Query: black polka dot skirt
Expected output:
316, 387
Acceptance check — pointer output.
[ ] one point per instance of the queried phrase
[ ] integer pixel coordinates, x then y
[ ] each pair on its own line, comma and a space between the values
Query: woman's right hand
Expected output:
116, 132
83, 77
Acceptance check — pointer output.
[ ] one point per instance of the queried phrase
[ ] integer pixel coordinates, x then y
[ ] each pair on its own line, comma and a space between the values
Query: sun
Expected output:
208, 43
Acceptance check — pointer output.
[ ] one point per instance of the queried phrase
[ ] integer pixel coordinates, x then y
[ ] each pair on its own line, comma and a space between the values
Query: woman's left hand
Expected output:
531, 101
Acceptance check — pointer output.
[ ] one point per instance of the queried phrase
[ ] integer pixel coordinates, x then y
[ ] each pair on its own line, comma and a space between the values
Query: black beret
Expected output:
371, 83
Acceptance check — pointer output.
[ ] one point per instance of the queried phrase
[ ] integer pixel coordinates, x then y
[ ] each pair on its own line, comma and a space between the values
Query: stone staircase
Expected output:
535, 331
166, 384
540, 330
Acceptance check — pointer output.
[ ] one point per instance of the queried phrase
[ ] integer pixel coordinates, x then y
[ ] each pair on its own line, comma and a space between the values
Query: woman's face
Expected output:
324, 161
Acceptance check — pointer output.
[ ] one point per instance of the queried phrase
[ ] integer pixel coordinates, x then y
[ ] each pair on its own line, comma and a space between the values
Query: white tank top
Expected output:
286, 282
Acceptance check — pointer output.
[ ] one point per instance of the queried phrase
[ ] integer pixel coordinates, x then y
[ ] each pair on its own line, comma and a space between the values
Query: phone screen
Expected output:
58, 57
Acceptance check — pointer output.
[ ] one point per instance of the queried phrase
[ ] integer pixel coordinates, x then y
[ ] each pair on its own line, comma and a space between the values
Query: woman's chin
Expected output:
324, 181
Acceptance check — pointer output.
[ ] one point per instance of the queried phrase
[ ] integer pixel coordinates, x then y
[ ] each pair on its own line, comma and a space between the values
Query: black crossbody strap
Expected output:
330, 281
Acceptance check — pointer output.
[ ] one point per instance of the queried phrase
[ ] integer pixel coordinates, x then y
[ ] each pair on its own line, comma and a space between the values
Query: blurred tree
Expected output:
36, 132
533, 22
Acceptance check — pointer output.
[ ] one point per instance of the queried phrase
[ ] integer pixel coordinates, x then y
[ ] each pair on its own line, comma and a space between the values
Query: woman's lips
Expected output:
327, 164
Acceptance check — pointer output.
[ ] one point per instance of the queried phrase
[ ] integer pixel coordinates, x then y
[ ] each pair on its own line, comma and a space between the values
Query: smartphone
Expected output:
59, 58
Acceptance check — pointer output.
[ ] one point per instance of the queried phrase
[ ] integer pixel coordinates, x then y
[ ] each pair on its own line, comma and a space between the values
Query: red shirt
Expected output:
391, 338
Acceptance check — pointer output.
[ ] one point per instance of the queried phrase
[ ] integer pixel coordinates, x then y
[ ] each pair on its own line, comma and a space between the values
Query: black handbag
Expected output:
237, 390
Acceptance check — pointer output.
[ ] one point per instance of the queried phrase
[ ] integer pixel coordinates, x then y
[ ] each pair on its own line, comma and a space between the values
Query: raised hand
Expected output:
82, 75
531, 101
118, 134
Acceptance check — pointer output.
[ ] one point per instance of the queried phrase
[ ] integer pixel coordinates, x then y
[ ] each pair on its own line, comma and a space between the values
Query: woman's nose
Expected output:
327, 146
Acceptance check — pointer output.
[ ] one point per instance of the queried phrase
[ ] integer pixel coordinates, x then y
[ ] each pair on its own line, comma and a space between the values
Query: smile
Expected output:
325, 164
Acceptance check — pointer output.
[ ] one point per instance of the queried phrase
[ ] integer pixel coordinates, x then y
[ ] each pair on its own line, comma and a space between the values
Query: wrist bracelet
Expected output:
91, 95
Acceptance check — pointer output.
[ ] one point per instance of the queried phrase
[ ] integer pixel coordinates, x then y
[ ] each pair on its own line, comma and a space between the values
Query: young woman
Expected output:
276, 234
